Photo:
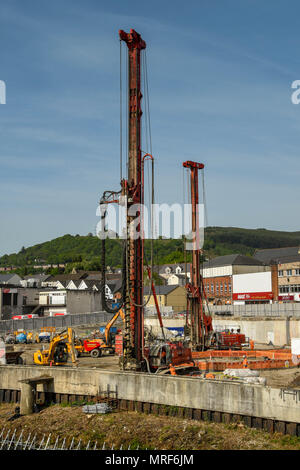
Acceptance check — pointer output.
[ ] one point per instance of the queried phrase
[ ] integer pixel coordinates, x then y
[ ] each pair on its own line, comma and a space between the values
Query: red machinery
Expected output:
135, 356
230, 340
202, 334
201, 330
132, 188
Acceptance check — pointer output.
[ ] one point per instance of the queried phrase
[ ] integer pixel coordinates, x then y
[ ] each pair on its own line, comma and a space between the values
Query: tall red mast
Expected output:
133, 189
201, 324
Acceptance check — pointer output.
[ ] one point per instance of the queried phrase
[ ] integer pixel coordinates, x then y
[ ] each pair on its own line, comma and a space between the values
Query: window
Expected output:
221, 288
280, 273
289, 272
225, 289
229, 288
284, 289
297, 272
212, 288
295, 288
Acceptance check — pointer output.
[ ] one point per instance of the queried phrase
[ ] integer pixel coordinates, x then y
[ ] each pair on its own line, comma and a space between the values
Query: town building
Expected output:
177, 279
62, 280
16, 300
34, 280
167, 271
286, 263
170, 298
252, 288
218, 275
62, 302
10, 278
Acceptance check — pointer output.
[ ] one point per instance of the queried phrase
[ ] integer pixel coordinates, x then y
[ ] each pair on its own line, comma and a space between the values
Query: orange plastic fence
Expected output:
282, 354
273, 359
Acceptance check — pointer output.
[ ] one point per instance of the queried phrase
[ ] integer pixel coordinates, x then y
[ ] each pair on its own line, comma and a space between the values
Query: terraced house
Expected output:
287, 263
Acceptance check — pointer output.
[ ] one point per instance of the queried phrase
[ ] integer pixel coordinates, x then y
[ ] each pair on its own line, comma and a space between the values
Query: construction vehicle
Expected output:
21, 338
58, 351
98, 346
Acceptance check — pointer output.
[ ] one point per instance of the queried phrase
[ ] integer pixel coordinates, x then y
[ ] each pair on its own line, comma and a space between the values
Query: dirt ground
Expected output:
281, 378
142, 431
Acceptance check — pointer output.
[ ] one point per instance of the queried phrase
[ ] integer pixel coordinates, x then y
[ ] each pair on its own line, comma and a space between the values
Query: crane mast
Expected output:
133, 189
200, 324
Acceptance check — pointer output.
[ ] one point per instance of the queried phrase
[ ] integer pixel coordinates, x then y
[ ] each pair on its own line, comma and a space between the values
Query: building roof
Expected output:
39, 277
161, 290
179, 275
278, 255
115, 285
161, 268
232, 260
90, 283
63, 283
6, 278
77, 283
67, 277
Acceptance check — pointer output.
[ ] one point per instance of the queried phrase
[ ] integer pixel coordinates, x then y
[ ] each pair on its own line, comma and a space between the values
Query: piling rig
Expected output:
200, 329
131, 194
136, 356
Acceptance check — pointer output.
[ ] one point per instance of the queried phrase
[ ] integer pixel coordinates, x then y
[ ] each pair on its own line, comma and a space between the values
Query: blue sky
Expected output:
220, 75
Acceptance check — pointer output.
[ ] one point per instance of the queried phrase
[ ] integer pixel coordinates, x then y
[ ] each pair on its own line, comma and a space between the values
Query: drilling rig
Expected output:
201, 330
136, 356
131, 196
133, 190
201, 333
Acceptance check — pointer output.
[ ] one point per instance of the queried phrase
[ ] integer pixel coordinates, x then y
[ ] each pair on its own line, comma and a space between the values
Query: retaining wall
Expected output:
278, 331
188, 392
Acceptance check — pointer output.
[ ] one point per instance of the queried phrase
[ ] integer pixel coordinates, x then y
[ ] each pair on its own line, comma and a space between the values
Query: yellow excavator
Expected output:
58, 352
96, 347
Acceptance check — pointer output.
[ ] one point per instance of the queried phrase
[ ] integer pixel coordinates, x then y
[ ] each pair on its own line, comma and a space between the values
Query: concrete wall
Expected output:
276, 331
18, 308
83, 301
279, 330
228, 397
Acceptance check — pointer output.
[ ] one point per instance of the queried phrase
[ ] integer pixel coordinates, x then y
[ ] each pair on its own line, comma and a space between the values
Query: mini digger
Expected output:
59, 348
99, 346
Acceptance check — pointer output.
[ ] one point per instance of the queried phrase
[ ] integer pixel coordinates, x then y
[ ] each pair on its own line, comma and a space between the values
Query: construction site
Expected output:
132, 364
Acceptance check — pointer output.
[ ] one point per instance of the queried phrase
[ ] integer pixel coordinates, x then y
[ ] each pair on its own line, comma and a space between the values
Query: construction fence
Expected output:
76, 319
86, 319
256, 310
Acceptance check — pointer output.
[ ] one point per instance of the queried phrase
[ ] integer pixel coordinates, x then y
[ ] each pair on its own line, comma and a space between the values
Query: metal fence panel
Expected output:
57, 322
257, 310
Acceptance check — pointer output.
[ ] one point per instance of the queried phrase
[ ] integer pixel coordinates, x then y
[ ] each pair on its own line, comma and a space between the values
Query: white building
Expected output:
252, 288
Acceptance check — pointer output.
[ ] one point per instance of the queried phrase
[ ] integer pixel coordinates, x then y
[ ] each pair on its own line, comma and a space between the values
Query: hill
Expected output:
84, 252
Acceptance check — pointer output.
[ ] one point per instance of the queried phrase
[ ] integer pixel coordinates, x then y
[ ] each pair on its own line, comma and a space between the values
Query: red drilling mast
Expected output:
135, 356
133, 189
201, 329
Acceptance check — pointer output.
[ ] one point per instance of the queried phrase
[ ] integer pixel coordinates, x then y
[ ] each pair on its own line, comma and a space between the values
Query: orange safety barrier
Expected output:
280, 354
221, 366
